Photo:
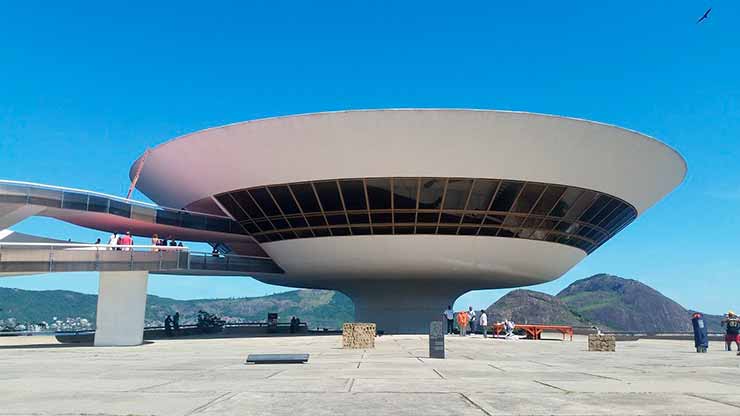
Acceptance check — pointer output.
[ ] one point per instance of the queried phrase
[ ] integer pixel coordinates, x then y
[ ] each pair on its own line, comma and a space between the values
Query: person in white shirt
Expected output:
113, 241
473, 322
483, 322
450, 316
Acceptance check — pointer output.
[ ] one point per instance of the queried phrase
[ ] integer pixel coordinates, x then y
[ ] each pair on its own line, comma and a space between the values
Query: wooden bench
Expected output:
534, 331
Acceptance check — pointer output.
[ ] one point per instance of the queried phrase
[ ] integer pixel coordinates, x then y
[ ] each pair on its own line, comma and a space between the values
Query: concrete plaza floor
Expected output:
479, 377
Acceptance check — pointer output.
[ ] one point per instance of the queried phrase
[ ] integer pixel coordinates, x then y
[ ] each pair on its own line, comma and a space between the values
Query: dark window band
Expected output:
556, 213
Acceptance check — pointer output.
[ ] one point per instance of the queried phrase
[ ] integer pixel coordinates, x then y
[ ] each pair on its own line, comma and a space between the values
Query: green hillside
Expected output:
318, 308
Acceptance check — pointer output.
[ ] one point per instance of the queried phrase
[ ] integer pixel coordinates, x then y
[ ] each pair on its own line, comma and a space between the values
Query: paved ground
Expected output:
480, 377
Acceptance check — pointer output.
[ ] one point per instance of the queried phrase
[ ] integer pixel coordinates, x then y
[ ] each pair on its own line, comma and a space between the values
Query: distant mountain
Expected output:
606, 301
625, 304
318, 308
528, 306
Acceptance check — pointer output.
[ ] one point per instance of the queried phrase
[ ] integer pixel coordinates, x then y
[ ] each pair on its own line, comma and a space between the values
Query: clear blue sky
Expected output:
86, 87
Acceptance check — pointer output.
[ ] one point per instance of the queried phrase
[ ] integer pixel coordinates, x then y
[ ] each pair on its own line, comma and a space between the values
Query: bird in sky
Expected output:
706, 16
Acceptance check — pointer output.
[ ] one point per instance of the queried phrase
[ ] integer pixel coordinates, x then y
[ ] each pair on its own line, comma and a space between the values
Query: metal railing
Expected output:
67, 257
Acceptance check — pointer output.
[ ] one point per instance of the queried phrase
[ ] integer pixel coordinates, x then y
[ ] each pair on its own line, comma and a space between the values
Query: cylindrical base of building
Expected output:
403, 307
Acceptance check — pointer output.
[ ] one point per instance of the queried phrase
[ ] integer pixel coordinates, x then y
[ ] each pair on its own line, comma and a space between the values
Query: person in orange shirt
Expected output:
462, 322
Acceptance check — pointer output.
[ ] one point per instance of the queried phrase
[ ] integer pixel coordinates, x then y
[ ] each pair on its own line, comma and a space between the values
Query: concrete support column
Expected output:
121, 308
401, 307
11, 214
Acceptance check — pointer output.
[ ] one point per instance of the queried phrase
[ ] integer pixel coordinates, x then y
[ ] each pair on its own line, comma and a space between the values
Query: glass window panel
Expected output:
430, 194
447, 230
193, 221
329, 196
528, 197
284, 199
489, 231
361, 230
382, 230
262, 238
247, 204
379, 193
513, 220
468, 231
611, 226
380, 218
46, 197
548, 199
404, 193
321, 232
427, 217
288, 235
336, 219
264, 225
608, 209
119, 208
74, 201
280, 223
340, 231
404, 217
297, 222
231, 207
403, 230
581, 204
473, 218
457, 193
304, 233
547, 225
353, 192
482, 193
359, 218
168, 217
316, 220
505, 233
570, 196
506, 195
595, 208
97, 204
450, 218
251, 228
13, 193
426, 230
531, 222
620, 210
494, 219
274, 236
264, 200
306, 197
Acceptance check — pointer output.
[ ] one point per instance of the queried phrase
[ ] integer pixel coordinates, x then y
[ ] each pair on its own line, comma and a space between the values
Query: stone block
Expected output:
358, 335
602, 343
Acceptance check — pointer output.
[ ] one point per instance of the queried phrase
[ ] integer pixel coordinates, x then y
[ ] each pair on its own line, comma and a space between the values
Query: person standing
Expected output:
472, 319
155, 242
168, 326
462, 322
450, 317
113, 241
732, 334
176, 322
483, 322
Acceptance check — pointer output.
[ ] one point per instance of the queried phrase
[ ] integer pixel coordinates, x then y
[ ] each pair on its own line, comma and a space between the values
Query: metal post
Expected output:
51, 258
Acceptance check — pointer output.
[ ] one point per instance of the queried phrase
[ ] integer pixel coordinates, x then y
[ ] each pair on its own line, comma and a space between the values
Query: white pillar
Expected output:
121, 307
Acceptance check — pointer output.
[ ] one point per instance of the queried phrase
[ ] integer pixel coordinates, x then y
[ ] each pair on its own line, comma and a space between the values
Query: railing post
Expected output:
51, 259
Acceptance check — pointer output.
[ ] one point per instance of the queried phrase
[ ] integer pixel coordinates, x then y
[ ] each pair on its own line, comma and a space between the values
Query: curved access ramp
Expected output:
35, 258
20, 200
